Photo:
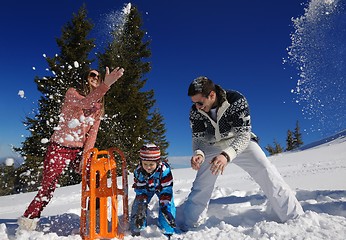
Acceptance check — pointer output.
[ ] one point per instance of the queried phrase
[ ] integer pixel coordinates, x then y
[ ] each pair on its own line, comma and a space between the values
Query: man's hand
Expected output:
196, 161
218, 164
112, 77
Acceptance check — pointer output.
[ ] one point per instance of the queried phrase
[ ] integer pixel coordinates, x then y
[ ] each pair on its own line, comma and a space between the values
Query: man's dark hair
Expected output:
201, 85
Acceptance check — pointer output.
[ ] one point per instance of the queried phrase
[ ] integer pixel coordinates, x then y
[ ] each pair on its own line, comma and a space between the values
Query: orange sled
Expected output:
100, 192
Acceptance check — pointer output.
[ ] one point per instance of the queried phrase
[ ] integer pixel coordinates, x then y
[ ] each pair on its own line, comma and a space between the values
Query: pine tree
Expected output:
6, 179
278, 147
156, 132
67, 69
129, 119
298, 140
272, 150
289, 141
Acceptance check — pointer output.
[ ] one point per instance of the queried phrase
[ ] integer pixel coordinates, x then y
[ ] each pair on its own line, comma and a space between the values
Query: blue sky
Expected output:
238, 44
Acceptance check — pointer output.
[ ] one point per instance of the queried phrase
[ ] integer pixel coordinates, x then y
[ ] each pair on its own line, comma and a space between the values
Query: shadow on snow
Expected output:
320, 201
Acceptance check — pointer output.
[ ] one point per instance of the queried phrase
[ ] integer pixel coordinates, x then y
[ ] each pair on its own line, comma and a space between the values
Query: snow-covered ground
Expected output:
237, 209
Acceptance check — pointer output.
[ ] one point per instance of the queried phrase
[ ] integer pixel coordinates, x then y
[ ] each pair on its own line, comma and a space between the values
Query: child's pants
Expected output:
162, 222
257, 165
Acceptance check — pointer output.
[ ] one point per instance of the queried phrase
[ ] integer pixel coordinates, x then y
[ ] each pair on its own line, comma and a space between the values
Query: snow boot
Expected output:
27, 224
168, 236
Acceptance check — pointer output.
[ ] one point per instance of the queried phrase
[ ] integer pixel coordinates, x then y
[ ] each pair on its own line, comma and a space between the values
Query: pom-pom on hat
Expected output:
150, 152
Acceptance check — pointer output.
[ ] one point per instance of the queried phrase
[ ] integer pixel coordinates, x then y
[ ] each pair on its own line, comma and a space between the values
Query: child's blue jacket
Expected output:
159, 182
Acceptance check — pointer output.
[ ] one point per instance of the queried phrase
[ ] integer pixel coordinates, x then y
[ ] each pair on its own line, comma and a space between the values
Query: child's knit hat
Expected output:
150, 152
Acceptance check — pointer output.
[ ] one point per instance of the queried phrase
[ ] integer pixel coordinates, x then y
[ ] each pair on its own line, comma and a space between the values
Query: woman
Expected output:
76, 133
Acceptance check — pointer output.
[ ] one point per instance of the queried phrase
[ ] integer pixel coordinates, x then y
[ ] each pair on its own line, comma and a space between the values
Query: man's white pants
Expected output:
253, 160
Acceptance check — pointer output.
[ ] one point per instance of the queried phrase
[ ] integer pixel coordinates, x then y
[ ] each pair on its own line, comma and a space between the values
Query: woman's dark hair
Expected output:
201, 85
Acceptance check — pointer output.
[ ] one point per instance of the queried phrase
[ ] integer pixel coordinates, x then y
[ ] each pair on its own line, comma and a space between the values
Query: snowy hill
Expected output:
337, 136
237, 209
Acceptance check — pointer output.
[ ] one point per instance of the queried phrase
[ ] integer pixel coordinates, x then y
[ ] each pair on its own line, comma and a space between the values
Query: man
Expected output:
221, 133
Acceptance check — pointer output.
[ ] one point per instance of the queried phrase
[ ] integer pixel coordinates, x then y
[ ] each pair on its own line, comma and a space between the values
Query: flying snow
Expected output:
76, 64
9, 162
74, 123
318, 51
21, 93
113, 22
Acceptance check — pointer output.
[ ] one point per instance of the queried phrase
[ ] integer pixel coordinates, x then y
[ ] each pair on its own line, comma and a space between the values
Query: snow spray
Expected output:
112, 24
319, 51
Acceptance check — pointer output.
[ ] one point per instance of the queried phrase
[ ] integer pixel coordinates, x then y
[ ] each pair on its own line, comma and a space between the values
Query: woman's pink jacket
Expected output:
79, 119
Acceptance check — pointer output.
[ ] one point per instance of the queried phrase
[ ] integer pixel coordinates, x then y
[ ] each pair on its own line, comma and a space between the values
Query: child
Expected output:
153, 176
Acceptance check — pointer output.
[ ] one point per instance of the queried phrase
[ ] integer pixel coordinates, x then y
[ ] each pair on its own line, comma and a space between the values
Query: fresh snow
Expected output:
237, 209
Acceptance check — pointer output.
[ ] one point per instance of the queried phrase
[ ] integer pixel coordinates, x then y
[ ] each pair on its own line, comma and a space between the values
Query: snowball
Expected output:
21, 93
9, 162
69, 137
76, 64
127, 9
82, 118
74, 123
89, 120
44, 140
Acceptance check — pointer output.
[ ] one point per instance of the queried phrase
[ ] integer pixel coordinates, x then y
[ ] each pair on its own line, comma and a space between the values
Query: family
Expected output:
221, 134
